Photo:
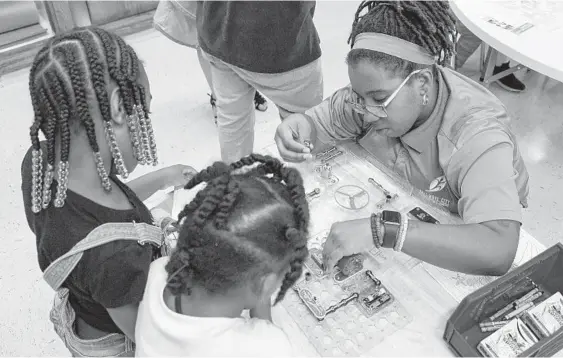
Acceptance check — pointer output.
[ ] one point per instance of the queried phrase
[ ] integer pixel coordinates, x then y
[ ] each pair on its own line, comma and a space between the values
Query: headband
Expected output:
393, 46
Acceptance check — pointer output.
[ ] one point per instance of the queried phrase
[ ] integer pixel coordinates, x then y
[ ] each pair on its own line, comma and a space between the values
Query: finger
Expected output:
290, 155
293, 140
330, 259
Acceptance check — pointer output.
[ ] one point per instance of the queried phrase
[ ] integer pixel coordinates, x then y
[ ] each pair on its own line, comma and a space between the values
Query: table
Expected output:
434, 288
433, 292
538, 48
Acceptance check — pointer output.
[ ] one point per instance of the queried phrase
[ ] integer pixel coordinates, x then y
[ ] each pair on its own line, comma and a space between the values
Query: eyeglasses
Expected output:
378, 110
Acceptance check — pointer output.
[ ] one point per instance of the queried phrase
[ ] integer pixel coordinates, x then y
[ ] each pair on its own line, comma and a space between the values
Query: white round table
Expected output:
539, 48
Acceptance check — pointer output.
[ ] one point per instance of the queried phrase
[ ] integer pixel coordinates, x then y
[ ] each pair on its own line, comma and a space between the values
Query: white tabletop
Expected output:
539, 48
428, 293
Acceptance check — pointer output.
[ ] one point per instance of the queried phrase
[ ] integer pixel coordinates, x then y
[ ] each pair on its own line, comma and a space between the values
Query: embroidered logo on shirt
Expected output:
437, 184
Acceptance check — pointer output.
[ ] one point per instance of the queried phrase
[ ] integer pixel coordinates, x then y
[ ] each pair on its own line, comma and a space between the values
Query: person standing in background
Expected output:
177, 21
271, 46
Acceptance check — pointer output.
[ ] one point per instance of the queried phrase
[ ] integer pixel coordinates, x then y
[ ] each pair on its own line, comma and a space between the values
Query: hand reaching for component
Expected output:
291, 137
178, 175
346, 238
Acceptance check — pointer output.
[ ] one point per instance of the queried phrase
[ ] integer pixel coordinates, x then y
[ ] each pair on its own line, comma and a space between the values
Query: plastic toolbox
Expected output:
462, 332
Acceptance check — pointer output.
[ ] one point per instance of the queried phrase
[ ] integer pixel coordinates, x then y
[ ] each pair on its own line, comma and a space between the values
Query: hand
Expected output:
178, 176
347, 238
290, 137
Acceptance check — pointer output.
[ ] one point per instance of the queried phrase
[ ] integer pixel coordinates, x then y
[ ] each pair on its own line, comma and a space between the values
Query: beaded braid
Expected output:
63, 71
215, 202
125, 74
50, 126
36, 153
97, 76
76, 76
430, 24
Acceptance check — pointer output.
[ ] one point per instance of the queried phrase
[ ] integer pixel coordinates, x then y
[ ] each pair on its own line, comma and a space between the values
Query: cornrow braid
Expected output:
36, 154
77, 78
116, 73
125, 74
209, 223
63, 73
49, 130
63, 115
429, 24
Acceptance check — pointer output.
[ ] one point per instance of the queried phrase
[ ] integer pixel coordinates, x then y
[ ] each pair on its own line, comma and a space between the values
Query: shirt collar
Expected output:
420, 138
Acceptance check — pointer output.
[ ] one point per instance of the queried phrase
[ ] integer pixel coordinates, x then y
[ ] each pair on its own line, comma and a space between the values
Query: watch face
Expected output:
391, 217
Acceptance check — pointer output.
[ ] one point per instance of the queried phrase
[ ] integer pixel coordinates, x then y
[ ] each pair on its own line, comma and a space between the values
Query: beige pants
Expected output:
293, 92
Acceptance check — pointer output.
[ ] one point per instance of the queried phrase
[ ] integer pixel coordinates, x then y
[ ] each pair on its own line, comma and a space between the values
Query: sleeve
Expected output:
484, 175
335, 120
121, 278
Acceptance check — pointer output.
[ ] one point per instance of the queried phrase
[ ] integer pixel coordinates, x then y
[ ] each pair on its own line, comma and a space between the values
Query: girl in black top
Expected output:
91, 99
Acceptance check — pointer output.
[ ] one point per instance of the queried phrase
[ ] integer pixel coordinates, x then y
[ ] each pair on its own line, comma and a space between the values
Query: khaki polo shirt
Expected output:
464, 157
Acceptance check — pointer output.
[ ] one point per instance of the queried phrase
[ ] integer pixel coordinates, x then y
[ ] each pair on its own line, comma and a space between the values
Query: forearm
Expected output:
334, 120
472, 248
148, 184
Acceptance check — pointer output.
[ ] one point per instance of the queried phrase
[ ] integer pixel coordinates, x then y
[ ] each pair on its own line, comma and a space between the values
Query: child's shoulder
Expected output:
266, 337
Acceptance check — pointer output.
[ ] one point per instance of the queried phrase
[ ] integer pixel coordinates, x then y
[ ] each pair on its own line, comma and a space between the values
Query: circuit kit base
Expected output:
344, 315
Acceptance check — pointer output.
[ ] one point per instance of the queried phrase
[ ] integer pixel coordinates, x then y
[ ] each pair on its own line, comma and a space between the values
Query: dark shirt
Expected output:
259, 36
109, 276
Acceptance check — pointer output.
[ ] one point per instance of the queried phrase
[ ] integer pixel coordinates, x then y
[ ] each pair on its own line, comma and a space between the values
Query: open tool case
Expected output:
462, 329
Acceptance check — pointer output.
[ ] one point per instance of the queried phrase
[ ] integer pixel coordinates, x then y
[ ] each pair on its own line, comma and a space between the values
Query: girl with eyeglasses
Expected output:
444, 133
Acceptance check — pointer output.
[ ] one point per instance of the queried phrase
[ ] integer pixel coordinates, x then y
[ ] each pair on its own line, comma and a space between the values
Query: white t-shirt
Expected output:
163, 332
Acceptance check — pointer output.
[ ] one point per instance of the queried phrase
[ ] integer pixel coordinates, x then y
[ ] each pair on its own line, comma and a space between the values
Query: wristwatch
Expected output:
391, 222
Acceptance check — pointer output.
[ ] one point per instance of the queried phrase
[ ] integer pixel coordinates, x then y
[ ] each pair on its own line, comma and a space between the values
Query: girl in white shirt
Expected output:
242, 239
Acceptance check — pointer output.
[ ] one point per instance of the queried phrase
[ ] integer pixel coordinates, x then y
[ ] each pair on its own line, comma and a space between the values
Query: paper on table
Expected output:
515, 25
460, 285
518, 16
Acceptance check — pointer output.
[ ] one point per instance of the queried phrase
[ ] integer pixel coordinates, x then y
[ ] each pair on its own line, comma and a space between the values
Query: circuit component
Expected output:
313, 194
326, 171
314, 263
326, 152
313, 304
331, 156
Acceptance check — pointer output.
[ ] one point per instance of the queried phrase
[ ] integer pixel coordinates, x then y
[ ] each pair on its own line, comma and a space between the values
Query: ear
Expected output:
425, 79
118, 114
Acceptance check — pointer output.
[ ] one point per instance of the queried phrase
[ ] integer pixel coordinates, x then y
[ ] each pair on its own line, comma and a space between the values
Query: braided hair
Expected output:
68, 78
241, 227
429, 24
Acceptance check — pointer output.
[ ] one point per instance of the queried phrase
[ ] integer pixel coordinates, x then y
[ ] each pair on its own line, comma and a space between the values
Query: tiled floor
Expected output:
186, 133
